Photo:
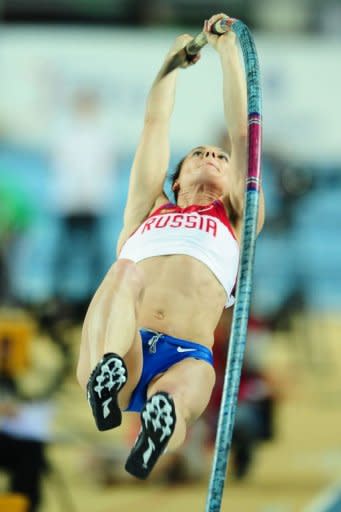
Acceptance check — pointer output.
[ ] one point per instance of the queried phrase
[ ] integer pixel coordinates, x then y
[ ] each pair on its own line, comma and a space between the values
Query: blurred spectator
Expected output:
23, 435
82, 162
24, 425
16, 214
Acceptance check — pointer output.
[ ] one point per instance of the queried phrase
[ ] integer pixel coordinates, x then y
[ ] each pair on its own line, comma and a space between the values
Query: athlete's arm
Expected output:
235, 109
151, 160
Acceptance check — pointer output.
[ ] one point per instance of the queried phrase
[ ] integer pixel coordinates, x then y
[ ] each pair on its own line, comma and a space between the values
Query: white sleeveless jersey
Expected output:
203, 232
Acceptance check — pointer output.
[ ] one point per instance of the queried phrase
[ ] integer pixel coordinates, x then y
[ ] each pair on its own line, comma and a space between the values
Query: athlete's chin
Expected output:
213, 180
210, 168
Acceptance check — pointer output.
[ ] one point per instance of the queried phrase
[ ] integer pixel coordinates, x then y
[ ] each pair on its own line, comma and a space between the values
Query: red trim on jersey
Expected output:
224, 218
162, 207
216, 206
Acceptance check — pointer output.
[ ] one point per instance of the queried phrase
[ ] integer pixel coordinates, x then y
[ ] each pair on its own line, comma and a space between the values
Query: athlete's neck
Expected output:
200, 197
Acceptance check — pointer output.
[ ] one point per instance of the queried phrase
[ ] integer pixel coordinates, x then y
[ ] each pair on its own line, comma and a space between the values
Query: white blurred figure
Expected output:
83, 164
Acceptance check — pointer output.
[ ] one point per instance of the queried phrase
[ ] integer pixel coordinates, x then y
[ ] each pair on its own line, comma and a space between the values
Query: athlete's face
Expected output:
205, 165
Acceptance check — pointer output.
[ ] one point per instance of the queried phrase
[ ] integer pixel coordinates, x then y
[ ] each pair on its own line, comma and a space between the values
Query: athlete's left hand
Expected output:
180, 43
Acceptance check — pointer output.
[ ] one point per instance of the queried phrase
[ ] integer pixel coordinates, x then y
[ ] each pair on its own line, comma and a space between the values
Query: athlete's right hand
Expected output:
219, 42
180, 43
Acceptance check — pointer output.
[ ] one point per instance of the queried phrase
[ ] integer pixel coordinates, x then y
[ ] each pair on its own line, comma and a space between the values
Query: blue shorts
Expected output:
160, 352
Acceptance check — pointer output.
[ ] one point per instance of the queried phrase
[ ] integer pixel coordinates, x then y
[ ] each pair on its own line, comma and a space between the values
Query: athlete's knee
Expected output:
182, 404
179, 396
189, 405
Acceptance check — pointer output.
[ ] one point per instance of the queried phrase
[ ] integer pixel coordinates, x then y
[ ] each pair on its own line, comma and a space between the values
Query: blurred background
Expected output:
74, 78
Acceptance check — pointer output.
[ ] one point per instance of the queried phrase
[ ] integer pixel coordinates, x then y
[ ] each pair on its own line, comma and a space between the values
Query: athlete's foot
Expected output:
158, 422
106, 380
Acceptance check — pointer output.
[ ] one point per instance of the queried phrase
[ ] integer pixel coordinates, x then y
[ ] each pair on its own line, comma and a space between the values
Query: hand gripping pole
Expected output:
193, 47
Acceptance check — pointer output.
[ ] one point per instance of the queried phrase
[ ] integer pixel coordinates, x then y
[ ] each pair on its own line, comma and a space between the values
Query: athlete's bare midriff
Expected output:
182, 298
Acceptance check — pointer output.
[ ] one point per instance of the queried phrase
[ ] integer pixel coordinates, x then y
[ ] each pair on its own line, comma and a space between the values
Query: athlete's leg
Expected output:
190, 383
176, 398
110, 327
110, 322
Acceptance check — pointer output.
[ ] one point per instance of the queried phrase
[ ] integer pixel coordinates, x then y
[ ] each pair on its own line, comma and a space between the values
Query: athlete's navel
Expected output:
159, 314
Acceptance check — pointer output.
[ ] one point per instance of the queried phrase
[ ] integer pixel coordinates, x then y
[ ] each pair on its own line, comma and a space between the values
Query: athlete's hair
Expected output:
175, 176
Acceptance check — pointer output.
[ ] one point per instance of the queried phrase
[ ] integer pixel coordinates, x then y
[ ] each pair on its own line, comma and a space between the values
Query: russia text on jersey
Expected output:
181, 220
